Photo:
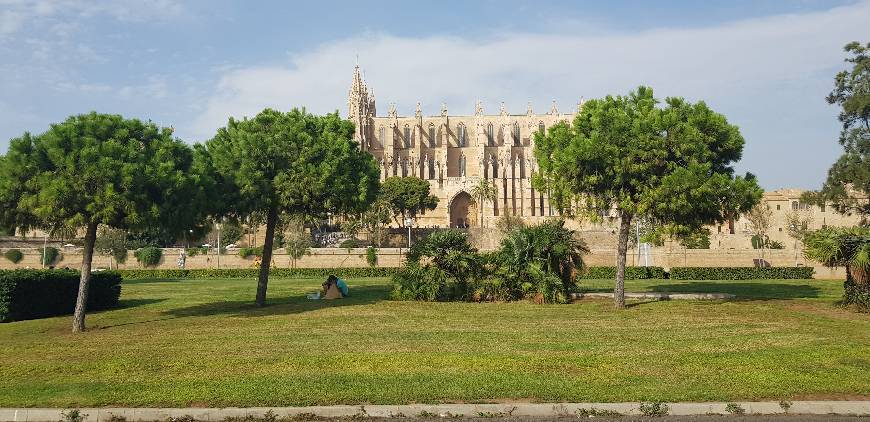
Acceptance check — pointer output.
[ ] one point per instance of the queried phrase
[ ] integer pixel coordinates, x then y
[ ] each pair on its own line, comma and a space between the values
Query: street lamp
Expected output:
408, 222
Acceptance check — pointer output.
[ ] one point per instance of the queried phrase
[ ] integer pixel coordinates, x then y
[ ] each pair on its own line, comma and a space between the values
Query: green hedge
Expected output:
14, 255
30, 294
149, 256
254, 272
631, 273
740, 273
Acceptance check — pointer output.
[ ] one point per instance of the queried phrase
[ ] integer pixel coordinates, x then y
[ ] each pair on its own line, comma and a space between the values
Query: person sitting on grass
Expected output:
334, 288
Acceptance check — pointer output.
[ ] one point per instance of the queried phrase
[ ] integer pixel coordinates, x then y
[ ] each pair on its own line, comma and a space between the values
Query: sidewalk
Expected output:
442, 411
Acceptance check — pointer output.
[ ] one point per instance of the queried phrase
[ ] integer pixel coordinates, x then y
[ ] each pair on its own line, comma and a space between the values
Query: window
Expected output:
407, 137
780, 229
541, 127
794, 205
516, 133
822, 206
431, 168
522, 167
460, 134
462, 165
431, 135
777, 207
490, 140
494, 169
404, 168
382, 135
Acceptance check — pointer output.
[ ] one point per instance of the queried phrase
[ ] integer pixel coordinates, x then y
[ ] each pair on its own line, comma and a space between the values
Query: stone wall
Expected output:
393, 257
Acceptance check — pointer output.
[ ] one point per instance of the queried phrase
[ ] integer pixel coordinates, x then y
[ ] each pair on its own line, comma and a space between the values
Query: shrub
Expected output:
372, 256
775, 244
120, 255
740, 273
149, 256
449, 264
197, 251
14, 255
849, 247
29, 294
48, 255
349, 244
735, 409
654, 409
231, 233
540, 262
427, 283
249, 252
213, 273
631, 273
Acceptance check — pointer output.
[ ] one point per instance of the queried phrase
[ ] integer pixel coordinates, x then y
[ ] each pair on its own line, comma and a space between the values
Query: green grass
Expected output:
202, 343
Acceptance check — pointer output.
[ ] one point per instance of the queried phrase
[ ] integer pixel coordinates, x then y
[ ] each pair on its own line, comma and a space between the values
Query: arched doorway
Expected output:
461, 210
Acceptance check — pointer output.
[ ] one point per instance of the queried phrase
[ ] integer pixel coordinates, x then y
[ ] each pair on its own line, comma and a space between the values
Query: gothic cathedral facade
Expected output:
454, 153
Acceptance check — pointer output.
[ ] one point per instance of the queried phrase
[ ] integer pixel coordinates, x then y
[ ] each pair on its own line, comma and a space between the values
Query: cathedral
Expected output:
454, 153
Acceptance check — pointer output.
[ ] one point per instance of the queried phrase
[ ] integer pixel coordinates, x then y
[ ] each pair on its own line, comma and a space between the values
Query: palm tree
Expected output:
849, 247
483, 191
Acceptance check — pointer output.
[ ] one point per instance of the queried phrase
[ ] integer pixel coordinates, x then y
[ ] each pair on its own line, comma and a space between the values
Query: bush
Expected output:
740, 273
854, 294
120, 255
149, 256
249, 252
14, 255
427, 283
197, 251
48, 255
539, 262
349, 244
30, 294
631, 273
231, 233
212, 273
372, 256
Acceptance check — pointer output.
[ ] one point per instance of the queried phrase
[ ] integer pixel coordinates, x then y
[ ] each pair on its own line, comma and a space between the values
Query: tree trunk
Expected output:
263, 281
731, 225
622, 250
84, 279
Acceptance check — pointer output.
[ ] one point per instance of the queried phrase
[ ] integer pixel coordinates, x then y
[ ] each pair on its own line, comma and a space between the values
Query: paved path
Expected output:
518, 411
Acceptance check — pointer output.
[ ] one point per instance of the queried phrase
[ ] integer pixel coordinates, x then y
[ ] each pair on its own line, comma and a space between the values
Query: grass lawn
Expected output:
202, 343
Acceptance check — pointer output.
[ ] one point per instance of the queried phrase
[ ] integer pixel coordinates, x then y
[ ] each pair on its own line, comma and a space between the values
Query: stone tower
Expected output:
361, 109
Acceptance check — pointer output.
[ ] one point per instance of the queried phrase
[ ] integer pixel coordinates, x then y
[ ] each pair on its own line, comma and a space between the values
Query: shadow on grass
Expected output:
132, 303
743, 290
297, 304
155, 280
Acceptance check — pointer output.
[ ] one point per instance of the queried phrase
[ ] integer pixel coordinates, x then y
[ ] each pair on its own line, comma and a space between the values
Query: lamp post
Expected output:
44, 246
219, 246
408, 222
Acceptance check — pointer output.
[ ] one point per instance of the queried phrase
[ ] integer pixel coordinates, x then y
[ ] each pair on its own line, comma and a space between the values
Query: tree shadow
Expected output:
132, 303
154, 280
297, 304
743, 291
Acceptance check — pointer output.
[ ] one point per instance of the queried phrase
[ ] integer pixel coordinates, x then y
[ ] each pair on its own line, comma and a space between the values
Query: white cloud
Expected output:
16, 14
752, 70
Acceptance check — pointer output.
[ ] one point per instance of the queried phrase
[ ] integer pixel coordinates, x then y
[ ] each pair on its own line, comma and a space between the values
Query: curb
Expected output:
107, 414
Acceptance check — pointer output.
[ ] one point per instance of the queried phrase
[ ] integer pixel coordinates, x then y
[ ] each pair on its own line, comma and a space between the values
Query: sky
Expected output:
766, 65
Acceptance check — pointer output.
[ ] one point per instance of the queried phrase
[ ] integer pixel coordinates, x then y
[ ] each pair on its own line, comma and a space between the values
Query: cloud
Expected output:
769, 75
16, 14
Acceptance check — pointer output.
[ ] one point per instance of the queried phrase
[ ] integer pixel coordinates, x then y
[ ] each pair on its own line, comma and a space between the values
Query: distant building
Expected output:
454, 152
783, 202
